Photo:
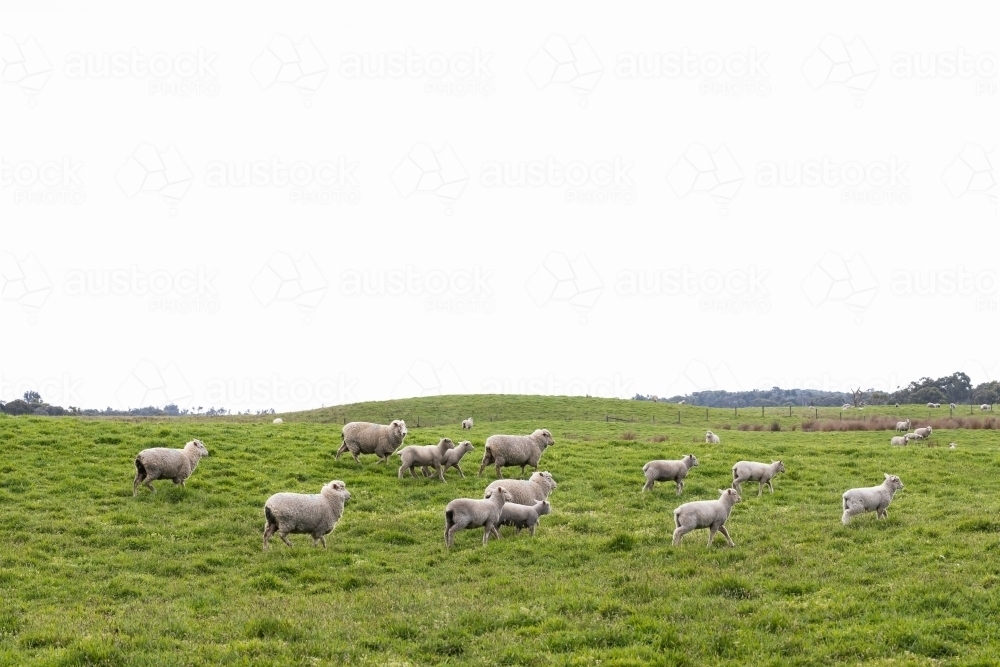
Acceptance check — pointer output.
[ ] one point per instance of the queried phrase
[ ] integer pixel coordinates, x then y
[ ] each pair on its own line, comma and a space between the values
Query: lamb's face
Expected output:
465, 447
339, 488
544, 508
199, 447
400, 427
894, 482
781, 466
447, 442
692, 459
730, 494
507, 498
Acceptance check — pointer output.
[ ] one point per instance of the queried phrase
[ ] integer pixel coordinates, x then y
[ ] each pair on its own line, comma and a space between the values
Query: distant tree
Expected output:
18, 407
929, 395
32, 397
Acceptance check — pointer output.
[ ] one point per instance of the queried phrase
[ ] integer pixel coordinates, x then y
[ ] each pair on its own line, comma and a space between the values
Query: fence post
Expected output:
762, 411
706, 414
841, 418
678, 416
789, 411
605, 419
817, 412
418, 421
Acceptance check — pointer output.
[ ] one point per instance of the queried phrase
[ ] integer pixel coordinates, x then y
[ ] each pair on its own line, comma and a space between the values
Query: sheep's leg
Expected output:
738, 484
724, 531
269, 529
284, 538
532, 531
136, 482
402, 471
343, 448
760, 489
680, 486
499, 471
486, 535
712, 530
440, 471
427, 473
459, 469
522, 471
149, 484
322, 539
648, 486
496, 531
680, 532
413, 471
355, 455
770, 485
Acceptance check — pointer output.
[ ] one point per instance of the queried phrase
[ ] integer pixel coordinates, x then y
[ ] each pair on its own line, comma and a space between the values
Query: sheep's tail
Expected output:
645, 467
269, 516
734, 472
449, 519
139, 467
677, 524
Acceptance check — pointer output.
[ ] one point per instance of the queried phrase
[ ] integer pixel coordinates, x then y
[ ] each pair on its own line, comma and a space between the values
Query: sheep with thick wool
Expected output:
924, 432
711, 514
662, 470
903, 426
751, 471
463, 513
527, 492
312, 514
452, 458
426, 456
900, 440
516, 450
367, 438
467, 424
165, 463
870, 499
711, 438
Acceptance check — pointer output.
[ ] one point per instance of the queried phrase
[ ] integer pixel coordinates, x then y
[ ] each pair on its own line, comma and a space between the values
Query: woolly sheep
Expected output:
937, 405
278, 420
527, 492
903, 426
871, 499
165, 463
900, 440
515, 450
681, 402
711, 438
897, 405
452, 458
985, 406
467, 424
463, 513
368, 438
711, 514
953, 406
924, 432
846, 406
313, 514
952, 446
524, 516
914, 436
751, 471
427, 456
663, 470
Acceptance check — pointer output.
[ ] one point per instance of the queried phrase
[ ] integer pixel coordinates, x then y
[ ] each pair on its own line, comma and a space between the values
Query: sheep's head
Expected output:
781, 466
197, 446
544, 437
447, 443
731, 495
544, 477
465, 446
336, 488
399, 426
690, 459
543, 507
893, 481
502, 492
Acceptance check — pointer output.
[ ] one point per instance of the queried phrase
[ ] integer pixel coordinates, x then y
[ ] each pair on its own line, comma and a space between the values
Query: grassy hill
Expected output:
90, 575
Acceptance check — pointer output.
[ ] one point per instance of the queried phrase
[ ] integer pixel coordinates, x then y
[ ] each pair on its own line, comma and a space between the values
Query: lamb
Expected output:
903, 426
278, 420
464, 513
711, 438
368, 438
452, 458
873, 498
985, 406
750, 471
467, 424
900, 441
427, 456
711, 514
668, 471
314, 514
515, 450
524, 516
924, 432
914, 436
165, 463
527, 492
953, 406
952, 446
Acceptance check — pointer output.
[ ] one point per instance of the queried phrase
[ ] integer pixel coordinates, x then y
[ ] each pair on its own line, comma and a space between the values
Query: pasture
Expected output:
90, 575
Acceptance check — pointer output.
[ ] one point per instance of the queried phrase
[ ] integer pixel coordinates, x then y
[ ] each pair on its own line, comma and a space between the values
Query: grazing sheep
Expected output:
668, 471
527, 492
467, 424
914, 436
165, 463
937, 405
463, 513
952, 446
846, 406
711, 514
368, 438
452, 458
750, 471
313, 514
871, 499
953, 406
278, 420
516, 450
524, 516
427, 456
985, 406
897, 405
903, 426
900, 440
924, 432
711, 438
681, 402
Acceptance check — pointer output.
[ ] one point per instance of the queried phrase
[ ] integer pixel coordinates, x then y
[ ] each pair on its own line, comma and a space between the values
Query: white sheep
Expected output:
914, 436
953, 406
426, 456
897, 405
681, 402
952, 446
663, 470
515, 450
278, 420
900, 440
871, 499
527, 492
751, 471
711, 438
846, 406
930, 405
903, 426
467, 424
711, 514
524, 516
452, 458
985, 406
367, 438
165, 463
312, 514
463, 513
924, 432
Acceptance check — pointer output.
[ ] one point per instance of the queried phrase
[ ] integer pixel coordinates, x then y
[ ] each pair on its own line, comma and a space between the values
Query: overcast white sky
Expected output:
259, 206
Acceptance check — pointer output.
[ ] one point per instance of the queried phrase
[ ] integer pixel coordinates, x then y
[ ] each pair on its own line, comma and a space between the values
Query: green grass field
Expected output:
90, 575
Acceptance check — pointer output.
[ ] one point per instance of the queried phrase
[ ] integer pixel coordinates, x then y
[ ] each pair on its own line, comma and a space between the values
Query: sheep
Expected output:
952, 446
681, 402
914, 436
165, 463
711, 438
314, 514
524, 516
897, 405
467, 424
846, 406
452, 458
903, 426
427, 456
711, 514
873, 498
937, 405
900, 441
985, 406
527, 492
464, 513
668, 471
953, 406
515, 450
750, 471
278, 420
924, 432
368, 438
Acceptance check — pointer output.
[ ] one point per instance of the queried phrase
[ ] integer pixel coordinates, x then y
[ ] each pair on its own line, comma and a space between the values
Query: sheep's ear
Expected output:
887, 475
